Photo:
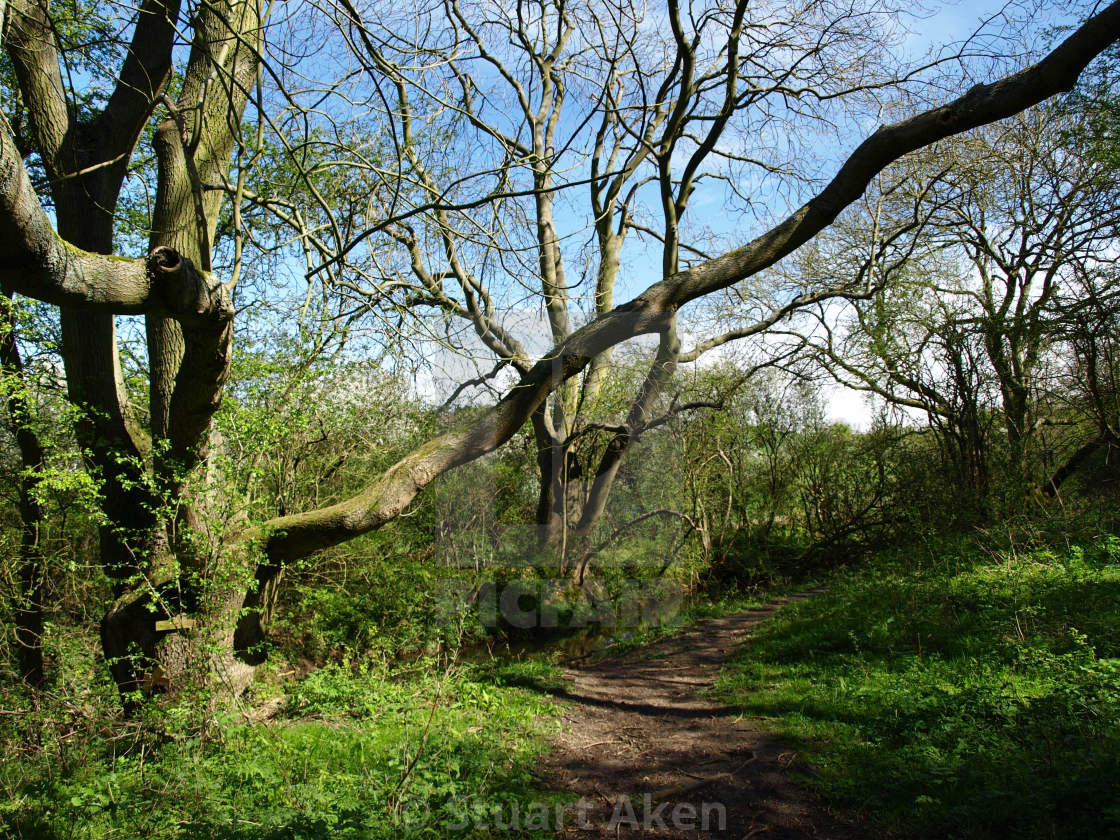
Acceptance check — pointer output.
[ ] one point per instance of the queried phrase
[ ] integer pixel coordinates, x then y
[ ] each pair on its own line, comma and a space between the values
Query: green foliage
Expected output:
382, 602
358, 753
956, 691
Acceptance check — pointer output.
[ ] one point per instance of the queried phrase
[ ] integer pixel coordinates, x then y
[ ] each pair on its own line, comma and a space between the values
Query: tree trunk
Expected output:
551, 516
199, 585
660, 373
206, 119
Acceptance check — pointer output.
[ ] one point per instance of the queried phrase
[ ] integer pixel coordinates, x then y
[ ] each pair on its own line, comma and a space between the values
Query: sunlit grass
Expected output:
354, 753
955, 692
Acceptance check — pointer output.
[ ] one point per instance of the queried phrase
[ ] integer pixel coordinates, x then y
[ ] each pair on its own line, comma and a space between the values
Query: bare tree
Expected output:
963, 326
621, 117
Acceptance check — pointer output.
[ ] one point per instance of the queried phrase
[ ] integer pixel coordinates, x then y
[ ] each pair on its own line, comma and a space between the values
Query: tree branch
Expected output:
291, 537
146, 67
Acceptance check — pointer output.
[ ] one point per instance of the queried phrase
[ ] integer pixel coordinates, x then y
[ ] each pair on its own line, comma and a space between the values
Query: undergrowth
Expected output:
355, 751
967, 688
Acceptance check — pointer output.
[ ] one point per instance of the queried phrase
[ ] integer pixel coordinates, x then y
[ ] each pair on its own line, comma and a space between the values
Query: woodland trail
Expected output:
648, 755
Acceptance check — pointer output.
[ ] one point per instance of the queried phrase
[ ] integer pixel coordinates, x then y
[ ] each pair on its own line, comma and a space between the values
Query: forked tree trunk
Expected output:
200, 586
163, 599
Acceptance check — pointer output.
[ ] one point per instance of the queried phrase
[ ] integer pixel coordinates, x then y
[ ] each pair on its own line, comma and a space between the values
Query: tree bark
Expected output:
178, 283
189, 356
86, 162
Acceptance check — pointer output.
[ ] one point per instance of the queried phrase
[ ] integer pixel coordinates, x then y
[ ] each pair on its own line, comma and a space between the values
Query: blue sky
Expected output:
935, 27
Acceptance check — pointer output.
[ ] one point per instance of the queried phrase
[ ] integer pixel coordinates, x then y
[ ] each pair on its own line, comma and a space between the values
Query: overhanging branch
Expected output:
290, 537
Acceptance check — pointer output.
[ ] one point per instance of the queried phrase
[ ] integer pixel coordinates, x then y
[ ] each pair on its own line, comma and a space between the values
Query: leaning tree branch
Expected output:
38, 263
290, 537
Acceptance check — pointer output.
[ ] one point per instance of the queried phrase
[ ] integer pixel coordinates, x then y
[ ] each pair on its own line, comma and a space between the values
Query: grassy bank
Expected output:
354, 752
960, 689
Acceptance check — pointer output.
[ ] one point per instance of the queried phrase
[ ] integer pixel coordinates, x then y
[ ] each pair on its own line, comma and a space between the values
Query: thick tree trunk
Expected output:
206, 119
202, 586
86, 160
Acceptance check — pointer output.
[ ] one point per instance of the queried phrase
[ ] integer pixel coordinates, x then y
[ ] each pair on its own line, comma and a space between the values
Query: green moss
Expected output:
82, 254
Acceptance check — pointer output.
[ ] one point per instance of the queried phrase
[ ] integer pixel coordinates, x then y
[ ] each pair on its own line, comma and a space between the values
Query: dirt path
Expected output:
649, 756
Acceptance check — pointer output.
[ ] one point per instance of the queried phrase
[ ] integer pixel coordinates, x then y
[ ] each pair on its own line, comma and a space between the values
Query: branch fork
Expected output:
193, 296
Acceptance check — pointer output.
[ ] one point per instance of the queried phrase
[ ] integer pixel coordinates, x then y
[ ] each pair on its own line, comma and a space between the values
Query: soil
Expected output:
647, 754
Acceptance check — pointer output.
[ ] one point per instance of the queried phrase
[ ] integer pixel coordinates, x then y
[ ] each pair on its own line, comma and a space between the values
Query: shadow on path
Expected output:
647, 755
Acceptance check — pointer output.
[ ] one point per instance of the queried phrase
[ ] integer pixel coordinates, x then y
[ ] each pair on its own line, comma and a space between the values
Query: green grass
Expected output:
951, 691
355, 753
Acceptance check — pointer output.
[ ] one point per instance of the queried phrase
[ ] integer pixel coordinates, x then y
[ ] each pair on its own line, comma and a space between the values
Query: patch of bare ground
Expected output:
647, 754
